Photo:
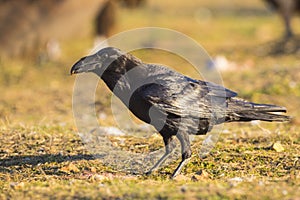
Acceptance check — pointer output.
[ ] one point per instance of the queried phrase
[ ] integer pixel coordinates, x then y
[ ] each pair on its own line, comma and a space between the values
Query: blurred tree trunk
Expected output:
27, 26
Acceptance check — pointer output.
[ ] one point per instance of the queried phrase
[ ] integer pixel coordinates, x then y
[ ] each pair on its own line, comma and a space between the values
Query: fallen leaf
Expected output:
277, 147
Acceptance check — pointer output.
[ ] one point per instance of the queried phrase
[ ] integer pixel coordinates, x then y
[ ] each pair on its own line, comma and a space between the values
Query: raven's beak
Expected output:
85, 64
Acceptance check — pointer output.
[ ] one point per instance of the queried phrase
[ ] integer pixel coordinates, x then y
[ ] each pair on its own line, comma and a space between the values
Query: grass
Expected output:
43, 157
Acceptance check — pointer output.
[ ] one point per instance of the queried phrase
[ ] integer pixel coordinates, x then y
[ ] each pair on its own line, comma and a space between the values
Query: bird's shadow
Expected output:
34, 160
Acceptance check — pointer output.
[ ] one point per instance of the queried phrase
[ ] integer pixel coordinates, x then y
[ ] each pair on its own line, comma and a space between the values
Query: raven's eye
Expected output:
105, 56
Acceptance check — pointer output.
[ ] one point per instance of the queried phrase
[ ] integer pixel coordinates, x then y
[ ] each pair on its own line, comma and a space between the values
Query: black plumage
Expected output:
174, 104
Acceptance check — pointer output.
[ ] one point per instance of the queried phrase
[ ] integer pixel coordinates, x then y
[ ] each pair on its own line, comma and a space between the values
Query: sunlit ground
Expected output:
42, 156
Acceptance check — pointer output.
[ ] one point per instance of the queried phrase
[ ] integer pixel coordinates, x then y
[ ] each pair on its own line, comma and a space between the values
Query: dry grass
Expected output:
42, 157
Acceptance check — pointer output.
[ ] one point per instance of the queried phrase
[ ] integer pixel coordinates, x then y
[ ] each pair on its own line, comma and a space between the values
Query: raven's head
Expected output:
97, 62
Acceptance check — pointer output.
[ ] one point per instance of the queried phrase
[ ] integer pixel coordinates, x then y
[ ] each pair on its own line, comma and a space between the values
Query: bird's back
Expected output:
178, 101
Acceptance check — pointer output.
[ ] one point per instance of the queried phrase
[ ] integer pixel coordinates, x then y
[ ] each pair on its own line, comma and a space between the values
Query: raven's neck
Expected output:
123, 75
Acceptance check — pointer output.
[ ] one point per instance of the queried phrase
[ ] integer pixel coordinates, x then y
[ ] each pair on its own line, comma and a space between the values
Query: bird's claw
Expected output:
148, 173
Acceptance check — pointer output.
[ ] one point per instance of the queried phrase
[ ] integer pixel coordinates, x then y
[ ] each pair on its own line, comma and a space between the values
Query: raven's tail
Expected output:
241, 110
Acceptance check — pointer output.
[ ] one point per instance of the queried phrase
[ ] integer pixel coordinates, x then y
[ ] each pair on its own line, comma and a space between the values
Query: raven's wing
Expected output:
211, 89
185, 97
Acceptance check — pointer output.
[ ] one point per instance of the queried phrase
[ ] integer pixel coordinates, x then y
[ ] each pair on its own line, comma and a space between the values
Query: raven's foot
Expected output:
179, 167
148, 173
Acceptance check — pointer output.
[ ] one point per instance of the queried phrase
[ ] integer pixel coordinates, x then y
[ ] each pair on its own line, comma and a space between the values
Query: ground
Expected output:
42, 156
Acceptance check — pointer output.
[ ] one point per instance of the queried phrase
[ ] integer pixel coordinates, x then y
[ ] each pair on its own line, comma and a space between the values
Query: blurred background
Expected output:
254, 44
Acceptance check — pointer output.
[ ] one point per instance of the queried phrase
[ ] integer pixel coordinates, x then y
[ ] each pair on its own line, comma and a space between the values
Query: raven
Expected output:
174, 104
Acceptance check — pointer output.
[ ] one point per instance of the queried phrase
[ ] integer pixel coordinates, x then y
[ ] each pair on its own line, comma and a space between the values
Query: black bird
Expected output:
174, 104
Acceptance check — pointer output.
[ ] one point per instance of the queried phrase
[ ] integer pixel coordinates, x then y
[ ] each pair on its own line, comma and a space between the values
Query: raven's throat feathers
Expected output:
124, 63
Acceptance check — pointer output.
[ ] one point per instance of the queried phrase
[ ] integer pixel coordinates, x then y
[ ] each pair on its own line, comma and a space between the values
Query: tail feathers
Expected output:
247, 111
263, 116
267, 108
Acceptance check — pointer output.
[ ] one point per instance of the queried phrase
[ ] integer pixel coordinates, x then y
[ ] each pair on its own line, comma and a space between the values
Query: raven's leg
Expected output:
185, 150
169, 145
